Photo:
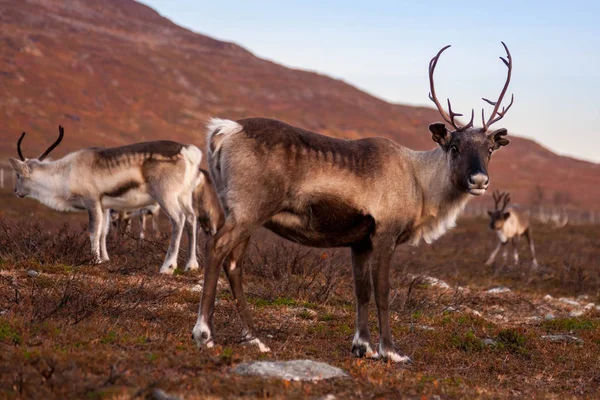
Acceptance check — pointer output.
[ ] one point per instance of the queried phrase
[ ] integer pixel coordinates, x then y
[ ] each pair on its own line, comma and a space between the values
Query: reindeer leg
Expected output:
534, 264
171, 207
233, 270
380, 275
217, 248
515, 251
142, 225
96, 218
361, 344
155, 225
490, 260
103, 235
192, 230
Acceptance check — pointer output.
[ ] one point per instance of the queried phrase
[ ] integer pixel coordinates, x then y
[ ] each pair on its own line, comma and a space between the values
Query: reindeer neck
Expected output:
441, 201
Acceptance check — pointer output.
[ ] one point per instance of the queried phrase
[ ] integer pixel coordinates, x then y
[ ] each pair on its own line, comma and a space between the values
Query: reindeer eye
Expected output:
454, 149
491, 150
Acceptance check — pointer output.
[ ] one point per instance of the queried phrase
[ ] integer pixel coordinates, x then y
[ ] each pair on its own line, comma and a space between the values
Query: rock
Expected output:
569, 302
489, 342
549, 317
158, 394
589, 306
436, 282
422, 327
32, 273
548, 297
500, 289
576, 313
294, 370
303, 312
562, 338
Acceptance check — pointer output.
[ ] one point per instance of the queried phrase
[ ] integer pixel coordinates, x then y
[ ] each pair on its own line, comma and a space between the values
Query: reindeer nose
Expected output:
479, 180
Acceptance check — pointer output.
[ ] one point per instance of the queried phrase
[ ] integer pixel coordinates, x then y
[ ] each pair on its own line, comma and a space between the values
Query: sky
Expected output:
384, 47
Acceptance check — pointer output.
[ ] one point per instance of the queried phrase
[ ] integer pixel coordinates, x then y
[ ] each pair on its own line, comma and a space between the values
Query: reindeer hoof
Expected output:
390, 353
168, 270
192, 266
201, 334
254, 341
362, 348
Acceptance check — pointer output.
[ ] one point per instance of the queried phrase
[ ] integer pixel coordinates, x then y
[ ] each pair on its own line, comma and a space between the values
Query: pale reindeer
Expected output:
206, 203
509, 224
119, 178
368, 194
121, 220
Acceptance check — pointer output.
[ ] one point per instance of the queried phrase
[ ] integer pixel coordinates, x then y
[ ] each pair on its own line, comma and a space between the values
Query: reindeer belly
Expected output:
325, 222
124, 200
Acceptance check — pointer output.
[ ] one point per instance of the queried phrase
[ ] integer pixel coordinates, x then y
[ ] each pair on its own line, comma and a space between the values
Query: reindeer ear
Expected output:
498, 138
440, 134
506, 215
19, 167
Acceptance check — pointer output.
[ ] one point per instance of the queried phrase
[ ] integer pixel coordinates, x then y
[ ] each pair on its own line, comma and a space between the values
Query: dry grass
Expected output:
120, 330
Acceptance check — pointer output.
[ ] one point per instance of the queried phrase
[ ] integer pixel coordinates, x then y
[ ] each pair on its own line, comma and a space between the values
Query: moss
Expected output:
569, 324
9, 334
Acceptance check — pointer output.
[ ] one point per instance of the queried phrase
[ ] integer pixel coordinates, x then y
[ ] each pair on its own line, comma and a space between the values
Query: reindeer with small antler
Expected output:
123, 178
510, 224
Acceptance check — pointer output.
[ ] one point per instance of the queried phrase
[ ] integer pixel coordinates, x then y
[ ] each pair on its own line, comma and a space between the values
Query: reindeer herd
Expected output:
369, 195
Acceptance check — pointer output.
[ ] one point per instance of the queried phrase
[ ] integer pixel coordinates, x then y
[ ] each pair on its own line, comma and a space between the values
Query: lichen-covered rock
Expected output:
294, 370
562, 338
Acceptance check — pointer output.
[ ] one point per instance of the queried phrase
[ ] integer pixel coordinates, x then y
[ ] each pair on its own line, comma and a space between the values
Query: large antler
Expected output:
432, 96
497, 115
61, 133
19, 147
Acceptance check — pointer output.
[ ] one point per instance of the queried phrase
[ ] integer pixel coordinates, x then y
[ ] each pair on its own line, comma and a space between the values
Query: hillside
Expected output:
115, 71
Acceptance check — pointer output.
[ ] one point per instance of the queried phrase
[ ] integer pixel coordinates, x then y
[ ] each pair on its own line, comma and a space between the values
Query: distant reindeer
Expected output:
119, 178
121, 220
510, 224
369, 194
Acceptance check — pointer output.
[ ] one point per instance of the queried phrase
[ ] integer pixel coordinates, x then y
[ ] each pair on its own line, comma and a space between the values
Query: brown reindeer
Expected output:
369, 194
510, 224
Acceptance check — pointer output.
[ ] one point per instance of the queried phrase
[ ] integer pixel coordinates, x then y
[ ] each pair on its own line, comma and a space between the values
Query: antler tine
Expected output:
61, 133
496, 195
496, 115
433, 97
19, 147
432, 94
506, 201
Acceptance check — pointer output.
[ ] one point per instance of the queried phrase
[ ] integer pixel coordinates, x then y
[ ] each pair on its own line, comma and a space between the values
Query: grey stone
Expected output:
549, 317
500, 289
489, 342
562, 338
158, 394
32, 273
294, 370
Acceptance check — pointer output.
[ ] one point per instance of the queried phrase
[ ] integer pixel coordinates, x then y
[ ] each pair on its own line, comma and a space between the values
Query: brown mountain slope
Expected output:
115, 72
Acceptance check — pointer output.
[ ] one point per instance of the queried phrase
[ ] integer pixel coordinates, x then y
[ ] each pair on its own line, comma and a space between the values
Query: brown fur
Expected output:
369, 194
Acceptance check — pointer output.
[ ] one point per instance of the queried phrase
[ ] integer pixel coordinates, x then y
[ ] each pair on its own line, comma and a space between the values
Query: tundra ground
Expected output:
119, 330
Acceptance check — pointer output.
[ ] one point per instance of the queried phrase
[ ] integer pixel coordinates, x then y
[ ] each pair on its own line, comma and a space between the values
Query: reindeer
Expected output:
510, 224
121, 220
369, 194
119, 178
206, 204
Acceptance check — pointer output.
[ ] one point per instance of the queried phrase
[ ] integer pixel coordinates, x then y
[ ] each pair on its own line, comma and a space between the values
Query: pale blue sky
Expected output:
384, 47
